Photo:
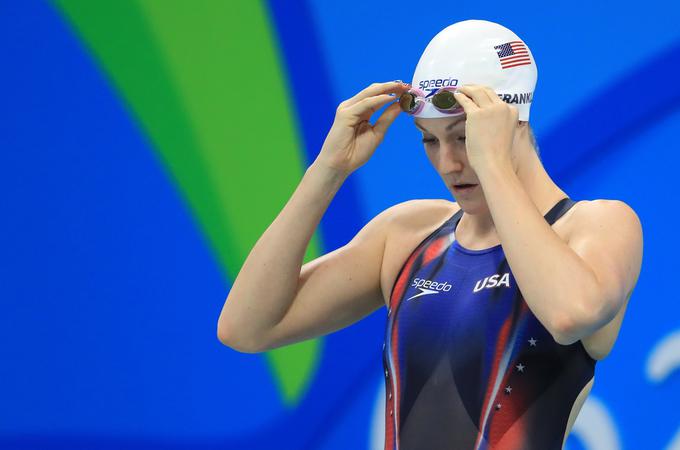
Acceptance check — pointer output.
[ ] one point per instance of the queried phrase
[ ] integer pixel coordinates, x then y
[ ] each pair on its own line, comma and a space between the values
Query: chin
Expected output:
472, 206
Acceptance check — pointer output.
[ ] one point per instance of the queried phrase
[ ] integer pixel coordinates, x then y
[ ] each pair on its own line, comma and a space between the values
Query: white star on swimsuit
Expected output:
532, 342
520, 367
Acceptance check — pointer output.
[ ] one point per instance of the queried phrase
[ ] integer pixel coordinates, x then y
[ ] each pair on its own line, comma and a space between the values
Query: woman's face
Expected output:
444, 143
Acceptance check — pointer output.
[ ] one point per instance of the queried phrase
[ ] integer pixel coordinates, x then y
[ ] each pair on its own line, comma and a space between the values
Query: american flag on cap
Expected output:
513, 54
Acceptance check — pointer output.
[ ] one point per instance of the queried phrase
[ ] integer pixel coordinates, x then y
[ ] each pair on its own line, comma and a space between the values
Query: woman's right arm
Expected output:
275, 300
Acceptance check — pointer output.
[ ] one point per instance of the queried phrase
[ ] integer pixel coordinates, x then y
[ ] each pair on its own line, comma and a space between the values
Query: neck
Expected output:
544, 193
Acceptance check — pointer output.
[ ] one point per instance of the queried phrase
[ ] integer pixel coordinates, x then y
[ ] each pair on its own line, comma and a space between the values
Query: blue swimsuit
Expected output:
467, 364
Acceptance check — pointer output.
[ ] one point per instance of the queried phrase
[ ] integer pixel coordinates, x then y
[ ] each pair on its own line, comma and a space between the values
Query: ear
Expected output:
521, 133
522, 130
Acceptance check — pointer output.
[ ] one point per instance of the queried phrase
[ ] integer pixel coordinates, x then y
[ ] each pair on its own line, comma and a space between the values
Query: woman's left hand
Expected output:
489, 127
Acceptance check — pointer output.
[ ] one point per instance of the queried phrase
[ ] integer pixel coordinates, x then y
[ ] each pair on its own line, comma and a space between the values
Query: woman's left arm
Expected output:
573, 287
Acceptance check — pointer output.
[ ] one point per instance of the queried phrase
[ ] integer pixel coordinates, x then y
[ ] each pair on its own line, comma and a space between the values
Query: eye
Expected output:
428, 140
461, 138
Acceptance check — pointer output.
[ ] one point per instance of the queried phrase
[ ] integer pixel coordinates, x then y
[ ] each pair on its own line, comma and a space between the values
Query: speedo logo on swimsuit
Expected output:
517, 98
429, 287
492, 282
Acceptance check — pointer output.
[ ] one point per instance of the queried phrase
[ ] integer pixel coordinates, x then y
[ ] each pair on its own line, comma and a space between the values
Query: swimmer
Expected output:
499, 304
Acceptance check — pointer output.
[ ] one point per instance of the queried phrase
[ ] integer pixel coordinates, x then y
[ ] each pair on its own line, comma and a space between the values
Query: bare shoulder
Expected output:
420, 213
410, 222
605, 209
607, 235
605, 216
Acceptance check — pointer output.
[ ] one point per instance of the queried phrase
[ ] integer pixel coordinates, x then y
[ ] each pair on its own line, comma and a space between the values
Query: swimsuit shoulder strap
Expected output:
559, 210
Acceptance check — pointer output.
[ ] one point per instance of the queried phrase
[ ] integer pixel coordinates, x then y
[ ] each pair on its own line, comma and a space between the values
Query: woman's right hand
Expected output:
352, 139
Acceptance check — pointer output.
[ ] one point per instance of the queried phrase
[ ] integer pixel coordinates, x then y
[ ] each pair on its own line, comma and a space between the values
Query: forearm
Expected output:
268, 279
555, 282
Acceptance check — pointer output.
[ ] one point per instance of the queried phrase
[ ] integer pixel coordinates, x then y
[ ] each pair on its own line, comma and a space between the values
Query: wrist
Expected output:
328, 172
329, 178
494, 169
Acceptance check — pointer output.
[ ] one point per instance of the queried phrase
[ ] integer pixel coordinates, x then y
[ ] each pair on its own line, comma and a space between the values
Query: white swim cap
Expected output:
476, 52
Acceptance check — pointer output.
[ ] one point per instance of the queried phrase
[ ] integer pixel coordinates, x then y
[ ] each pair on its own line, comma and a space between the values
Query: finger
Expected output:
386, 119
396, 87
369, 105
497, 98
477, 94
465, 101
492, 94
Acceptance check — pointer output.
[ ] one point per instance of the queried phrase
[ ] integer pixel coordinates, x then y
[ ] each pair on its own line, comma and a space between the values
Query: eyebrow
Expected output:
448, 127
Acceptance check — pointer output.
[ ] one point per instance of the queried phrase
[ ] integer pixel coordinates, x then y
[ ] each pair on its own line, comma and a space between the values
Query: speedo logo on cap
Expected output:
517, 98
437, 83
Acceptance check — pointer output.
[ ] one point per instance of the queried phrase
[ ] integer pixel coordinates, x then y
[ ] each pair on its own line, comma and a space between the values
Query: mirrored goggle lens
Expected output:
444, 100
407, 101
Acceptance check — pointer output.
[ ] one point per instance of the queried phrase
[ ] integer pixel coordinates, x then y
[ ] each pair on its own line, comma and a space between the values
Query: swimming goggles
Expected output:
413, 100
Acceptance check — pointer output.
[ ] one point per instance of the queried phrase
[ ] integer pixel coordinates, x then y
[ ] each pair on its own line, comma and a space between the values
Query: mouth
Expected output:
464, 188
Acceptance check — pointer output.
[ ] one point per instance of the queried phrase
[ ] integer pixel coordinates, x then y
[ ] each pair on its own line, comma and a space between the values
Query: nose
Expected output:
451, 159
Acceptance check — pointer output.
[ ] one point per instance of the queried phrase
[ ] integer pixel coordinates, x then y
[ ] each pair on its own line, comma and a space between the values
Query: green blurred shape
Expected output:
206, 82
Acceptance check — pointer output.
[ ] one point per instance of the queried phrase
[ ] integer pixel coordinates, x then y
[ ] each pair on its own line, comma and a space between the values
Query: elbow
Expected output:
561, 329
229, 339
571, 326
567, 326
563, 336
223, 336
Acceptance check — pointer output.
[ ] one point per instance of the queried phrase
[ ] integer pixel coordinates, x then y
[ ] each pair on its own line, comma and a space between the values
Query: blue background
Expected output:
107, 333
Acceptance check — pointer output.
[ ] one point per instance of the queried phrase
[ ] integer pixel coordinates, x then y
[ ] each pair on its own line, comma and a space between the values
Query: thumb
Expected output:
386, 119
